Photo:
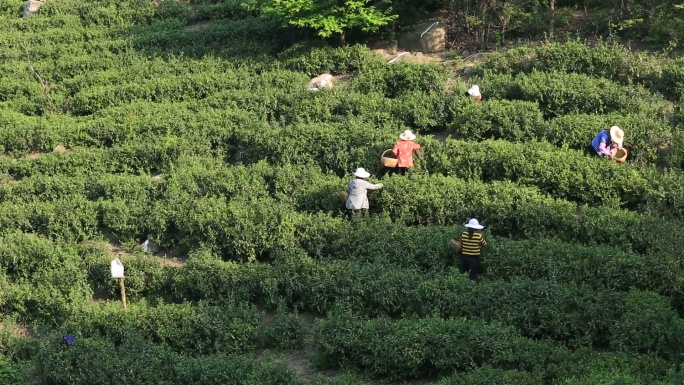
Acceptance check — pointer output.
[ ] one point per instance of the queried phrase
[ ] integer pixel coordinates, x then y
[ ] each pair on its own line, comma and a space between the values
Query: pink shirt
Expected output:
403, 150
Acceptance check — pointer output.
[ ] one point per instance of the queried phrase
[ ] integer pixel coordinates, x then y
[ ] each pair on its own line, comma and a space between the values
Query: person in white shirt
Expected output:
474, 91
357, 201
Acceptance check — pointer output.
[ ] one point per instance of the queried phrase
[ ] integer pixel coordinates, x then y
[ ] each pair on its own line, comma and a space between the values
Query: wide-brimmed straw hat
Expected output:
361, 173
617, 135
474, 91
407, 135
474, 224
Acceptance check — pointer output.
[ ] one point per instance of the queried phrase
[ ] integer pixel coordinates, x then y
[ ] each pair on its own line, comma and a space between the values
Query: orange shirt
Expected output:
403, 150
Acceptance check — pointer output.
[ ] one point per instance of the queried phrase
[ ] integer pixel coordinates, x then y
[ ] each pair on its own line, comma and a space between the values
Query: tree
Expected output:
330, 17
552, 7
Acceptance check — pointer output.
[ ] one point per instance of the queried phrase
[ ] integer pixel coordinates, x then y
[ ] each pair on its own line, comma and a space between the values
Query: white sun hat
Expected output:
474, 224
407, 135
361, 173
474, 91
617, 135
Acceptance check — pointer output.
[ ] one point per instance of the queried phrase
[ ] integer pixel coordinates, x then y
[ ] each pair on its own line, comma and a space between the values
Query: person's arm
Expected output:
416, 146
483, 243
395, 149
371, 186
603, 149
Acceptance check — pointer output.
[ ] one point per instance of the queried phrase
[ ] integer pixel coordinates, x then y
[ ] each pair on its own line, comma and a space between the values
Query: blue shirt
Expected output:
602, 137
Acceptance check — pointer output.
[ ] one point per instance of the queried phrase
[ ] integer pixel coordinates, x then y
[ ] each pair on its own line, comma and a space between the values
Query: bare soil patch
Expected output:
412, 57
198, 26
166, 258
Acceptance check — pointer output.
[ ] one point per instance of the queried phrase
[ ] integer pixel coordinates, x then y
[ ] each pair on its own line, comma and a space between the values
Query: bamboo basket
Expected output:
388, 162
620, 156
343, 196
455, 246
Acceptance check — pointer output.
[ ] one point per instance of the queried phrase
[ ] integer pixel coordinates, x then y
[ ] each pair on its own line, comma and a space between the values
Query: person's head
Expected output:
617, 136
472, 226
361, 173
407, 135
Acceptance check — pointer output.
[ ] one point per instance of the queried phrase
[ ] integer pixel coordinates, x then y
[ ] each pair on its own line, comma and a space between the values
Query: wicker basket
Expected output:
455, 246
388, 162
620, 155
343, 196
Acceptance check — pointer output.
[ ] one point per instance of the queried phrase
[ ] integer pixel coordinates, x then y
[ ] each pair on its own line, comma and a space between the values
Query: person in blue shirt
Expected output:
607, 142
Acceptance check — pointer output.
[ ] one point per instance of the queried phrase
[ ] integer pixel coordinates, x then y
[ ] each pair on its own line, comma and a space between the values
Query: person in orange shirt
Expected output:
403, 150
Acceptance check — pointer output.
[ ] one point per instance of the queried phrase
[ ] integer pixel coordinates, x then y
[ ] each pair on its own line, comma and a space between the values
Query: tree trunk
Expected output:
343, 39
552, 6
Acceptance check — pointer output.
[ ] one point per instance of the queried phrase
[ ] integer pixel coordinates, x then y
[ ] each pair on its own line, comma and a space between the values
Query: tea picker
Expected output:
469, 246
356, 196
474, 91
608, 143
403, 151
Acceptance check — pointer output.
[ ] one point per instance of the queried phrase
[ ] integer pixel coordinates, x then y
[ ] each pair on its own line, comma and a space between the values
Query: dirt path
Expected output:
166, 258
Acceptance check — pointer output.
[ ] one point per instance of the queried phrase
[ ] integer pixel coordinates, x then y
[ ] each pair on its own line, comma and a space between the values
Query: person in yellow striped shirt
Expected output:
472, 243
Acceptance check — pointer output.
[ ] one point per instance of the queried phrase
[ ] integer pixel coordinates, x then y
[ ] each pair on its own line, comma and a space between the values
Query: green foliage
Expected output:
490, 376
189, 123
560, 93
329, 17
286, 331
632, 332
198, 330
13, 374
96, 361
607, 60
316, 60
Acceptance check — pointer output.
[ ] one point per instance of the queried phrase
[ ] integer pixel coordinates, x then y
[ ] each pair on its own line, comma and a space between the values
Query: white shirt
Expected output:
357, 193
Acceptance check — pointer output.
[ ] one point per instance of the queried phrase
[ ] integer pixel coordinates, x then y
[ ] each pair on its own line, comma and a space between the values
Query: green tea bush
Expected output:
399, 78
649, 325
490, 376
513, 120
286, 331
199, 329
435, 346
94, 361
560, 93
671, 83
644, 134
13, 374
316, 60
611, 61
564, 174
206, 278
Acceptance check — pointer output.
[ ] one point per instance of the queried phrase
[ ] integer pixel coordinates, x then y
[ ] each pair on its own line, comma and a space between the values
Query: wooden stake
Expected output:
123, 292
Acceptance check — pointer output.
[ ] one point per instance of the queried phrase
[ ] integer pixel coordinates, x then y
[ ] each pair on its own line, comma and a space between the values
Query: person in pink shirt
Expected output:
403, 150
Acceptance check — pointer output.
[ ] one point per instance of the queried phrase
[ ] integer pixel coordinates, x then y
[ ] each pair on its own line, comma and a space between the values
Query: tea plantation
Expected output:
122, 121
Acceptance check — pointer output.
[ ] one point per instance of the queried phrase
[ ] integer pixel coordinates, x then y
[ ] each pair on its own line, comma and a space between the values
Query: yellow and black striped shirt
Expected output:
471, 246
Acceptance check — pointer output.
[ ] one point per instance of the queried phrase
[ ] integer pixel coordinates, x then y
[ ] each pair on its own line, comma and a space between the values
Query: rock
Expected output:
428, 37
60, 149
149, 246
321, 81
158, 176
31, 7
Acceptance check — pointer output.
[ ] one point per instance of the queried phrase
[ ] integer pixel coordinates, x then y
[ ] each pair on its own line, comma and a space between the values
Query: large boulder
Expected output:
319, 82
31, 7
427, 37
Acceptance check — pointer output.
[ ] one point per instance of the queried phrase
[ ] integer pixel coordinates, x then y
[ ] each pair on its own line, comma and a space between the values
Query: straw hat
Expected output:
407, 135
617, 135
474, 224
474, 91
361, 173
